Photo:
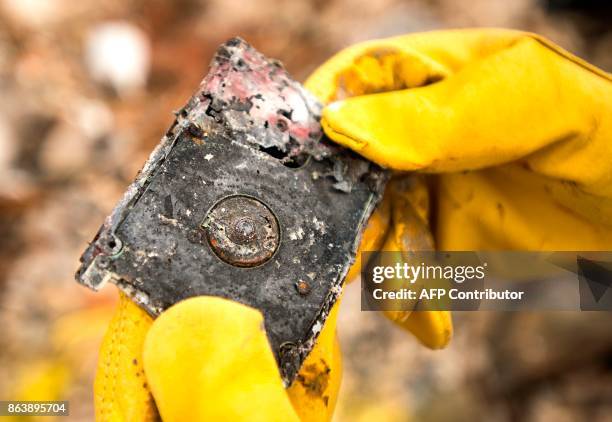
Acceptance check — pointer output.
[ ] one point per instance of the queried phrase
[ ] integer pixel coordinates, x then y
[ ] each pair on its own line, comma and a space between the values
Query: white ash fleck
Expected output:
296, 260
188, 212
319, 225
141, 256
208, 157
311, 275
298, 234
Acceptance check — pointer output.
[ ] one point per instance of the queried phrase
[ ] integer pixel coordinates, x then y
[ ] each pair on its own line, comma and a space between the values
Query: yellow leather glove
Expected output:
514, 133
207, 358
507, 138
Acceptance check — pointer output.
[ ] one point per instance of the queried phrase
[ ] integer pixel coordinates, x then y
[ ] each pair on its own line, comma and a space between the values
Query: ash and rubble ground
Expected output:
87, 89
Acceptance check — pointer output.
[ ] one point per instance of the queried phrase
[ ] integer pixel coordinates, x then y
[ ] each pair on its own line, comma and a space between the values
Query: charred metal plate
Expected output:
245, 199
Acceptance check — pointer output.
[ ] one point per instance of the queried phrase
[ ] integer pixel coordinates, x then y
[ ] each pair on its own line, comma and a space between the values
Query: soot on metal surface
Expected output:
243, 187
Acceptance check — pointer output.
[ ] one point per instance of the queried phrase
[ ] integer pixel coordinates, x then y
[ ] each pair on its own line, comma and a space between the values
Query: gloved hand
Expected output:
505, 134
513, 132
203, 359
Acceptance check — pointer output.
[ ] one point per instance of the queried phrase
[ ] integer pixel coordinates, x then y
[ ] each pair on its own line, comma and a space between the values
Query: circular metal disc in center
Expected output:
242, 231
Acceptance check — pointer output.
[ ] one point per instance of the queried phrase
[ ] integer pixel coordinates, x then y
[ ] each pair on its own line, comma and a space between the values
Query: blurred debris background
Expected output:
88, 88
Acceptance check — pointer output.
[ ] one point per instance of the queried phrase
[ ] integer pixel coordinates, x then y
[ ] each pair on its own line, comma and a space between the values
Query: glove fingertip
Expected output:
434, 329
331, 120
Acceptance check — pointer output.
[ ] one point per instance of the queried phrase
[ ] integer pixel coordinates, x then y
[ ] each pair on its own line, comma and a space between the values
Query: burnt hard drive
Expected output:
245, 199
